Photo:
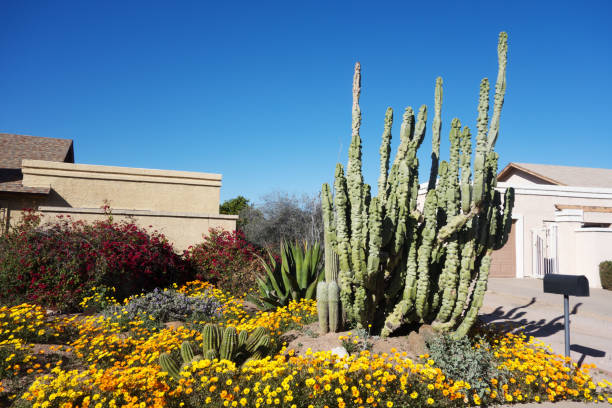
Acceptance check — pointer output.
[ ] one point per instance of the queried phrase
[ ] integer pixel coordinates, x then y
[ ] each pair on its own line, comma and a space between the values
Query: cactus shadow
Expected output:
586, 351
514, 321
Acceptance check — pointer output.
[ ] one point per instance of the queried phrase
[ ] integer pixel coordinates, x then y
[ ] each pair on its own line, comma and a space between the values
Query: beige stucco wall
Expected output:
593, 245
181, 205
182, 229
536, 205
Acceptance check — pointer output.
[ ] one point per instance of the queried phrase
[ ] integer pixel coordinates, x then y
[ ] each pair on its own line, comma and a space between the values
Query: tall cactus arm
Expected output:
345, 277
447, 282
442, 185
465, 275
354, 179
424, 253
452, 183
466, 152
477, 297
327, 209
385, 151
342, 226
375, 228
456, 223
419, 130
481, 141
435, 141
406, 135
366, 199
500, 89
403, 211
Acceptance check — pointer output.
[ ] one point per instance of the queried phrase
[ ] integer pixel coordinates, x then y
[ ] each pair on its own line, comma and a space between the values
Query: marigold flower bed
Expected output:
103, 365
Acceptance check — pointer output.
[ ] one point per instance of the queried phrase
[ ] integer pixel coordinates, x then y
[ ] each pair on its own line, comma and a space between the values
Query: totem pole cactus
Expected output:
397, 263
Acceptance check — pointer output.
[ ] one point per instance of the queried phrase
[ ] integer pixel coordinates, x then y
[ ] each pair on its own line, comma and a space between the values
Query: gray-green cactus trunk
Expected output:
390, 262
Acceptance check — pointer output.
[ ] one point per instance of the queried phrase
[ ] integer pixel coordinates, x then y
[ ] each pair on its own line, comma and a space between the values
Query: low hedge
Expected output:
605, 274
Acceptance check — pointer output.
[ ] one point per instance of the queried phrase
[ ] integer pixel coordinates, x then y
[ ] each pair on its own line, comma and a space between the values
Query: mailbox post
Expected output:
566, 285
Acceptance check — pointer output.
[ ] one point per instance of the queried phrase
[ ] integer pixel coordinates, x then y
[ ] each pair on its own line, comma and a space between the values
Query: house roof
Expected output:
15, 148
561, 175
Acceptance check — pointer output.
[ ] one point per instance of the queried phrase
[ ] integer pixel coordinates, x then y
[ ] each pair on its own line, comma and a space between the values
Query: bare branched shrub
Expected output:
283, 216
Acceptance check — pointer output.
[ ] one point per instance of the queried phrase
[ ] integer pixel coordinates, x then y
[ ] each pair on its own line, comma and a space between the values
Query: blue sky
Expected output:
261, 91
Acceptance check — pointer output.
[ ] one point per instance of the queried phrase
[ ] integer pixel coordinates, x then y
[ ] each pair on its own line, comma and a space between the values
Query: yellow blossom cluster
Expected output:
112, 367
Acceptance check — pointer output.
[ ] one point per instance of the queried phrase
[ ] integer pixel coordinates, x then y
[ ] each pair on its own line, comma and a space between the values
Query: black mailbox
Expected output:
569, 285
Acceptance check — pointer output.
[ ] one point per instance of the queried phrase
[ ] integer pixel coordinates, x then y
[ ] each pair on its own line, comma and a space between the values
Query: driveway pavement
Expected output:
522, 303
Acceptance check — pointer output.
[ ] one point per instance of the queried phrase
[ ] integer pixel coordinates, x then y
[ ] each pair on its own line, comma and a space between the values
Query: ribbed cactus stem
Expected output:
500, 90
323, 306
385, 151
255, 338
228, 344
466, 152
477, 297
168, 365
187, 352
354, 181
242, 338
419, 132
211, 337
481, 141
335, 317
424, 253
435, 141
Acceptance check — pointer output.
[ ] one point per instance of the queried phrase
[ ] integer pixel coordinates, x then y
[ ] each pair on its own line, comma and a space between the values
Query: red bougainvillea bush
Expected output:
56, 264
228, 260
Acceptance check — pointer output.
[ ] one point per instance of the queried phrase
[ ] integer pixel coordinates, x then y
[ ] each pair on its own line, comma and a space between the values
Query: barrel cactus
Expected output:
416, 254
219, 343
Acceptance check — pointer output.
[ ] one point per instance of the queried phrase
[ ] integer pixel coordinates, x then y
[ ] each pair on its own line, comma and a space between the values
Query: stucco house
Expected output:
40, 173
562, 221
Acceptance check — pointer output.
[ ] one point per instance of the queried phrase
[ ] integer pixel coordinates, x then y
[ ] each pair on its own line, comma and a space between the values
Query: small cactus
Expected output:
228, 344
169, 365
211, 336
187, 352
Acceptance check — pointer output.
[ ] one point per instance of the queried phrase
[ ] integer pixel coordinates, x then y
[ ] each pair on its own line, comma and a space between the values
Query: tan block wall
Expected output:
181, 205
182, 229
89, 186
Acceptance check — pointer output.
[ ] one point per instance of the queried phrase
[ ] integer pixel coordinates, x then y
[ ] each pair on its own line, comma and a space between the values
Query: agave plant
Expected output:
294, 278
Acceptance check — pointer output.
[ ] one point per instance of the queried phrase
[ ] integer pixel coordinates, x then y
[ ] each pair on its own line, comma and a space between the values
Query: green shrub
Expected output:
605, 274
460, 360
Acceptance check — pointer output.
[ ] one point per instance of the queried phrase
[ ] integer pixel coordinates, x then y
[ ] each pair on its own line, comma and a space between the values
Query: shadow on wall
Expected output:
513, 321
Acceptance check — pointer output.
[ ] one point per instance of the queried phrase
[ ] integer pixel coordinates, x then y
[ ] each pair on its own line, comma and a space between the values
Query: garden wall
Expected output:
181, 205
